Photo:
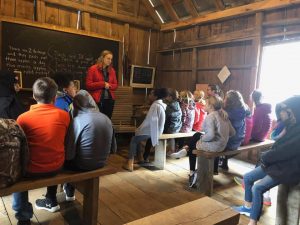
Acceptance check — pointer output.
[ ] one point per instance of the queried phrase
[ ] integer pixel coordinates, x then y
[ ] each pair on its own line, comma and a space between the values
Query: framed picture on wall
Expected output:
19, 78
77, 84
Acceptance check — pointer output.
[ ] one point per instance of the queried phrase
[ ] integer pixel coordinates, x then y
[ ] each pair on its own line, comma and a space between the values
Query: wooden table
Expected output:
160, 153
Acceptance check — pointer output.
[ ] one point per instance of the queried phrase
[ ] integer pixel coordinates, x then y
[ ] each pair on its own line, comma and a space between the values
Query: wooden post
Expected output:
194, 68
205, 171
86, 21
41, 11
160, 154
288, 205
90, 201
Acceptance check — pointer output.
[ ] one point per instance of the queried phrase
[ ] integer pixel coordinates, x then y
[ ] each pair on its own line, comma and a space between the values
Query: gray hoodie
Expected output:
90, 134
217, 132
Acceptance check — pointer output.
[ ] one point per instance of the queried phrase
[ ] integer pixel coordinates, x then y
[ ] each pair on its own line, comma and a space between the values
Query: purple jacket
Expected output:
261, 121
188, 116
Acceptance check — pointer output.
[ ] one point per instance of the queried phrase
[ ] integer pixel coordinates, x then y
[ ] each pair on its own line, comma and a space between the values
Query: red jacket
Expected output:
200, 115
95, 82
45, 127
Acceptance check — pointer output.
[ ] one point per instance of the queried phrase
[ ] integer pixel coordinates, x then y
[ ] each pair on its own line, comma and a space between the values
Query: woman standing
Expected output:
101, 83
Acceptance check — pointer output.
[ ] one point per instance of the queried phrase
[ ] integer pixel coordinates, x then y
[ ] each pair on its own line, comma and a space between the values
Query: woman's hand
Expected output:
107, 85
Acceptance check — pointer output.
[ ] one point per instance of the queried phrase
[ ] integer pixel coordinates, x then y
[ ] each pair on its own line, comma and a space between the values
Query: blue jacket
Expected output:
63, 101
237, 118
173, 118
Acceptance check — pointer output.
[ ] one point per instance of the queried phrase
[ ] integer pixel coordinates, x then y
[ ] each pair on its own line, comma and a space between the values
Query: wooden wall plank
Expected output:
52, 14
8, 7
24, 9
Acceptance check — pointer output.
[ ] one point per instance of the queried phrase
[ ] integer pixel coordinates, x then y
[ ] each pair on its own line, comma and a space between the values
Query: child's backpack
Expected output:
13, 152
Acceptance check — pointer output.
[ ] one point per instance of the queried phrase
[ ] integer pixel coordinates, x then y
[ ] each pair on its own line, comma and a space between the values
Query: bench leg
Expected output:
90, 201
205, 170
160, 154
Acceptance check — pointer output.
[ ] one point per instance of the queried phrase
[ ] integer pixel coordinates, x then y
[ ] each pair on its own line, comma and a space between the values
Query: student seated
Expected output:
237, 111
279, 165
66, 91
88, 139
13, 152
173, 117
10, 107
173, 113
200, 113
45, 127
216, 131
152, 127
187, 106
261, 117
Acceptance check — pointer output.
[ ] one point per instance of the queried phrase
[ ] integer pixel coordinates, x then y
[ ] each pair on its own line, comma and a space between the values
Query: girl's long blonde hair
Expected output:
216, 103
186, 96
199, 96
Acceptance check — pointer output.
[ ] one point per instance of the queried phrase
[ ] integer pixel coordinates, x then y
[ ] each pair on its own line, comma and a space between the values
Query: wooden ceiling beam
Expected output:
190, 7
219, 4
151, 11
232, 12
170, 10
112, 15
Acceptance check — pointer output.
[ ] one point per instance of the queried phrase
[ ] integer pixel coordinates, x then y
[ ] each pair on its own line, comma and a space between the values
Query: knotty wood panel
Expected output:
52, 14
102, 4
24, 9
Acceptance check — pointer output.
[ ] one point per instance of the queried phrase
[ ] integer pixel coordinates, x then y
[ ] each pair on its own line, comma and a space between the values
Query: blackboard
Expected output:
38, 52
142, 76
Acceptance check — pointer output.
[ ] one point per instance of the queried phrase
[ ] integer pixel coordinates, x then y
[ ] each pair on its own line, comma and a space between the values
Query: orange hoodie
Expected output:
45, 127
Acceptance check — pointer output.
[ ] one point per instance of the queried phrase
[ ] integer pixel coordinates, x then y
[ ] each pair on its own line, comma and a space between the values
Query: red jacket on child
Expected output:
199, 116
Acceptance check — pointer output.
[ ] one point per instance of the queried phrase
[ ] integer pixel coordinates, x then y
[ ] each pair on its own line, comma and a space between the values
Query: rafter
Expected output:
232, 12
170, 10
115, 16
190, 7
151, 11
219, 4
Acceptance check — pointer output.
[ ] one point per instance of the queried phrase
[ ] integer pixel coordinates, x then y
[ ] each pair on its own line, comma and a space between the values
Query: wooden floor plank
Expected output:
127, 196
44, 217
11, 213
3, 214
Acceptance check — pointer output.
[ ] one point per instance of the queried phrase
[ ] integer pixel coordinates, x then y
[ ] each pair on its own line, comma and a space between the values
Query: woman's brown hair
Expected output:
102, 55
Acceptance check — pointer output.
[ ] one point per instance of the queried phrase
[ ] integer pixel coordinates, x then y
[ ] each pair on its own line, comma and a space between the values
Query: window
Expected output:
280, 72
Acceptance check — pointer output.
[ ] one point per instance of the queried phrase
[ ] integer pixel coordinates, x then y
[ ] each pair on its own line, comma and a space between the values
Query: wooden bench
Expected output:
122, 118
204, 211
161, 148
86, 182
206, 163
288, 205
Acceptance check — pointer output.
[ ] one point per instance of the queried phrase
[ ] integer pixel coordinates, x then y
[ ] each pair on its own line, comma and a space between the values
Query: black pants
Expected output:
147, 149
51, 190
51, 193
192, 146
106, 106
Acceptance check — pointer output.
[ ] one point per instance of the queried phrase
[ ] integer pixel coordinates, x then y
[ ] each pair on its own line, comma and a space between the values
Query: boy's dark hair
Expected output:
44, 90
256, 96
235, 100
160, 93
173, 93
216, 89
62, 80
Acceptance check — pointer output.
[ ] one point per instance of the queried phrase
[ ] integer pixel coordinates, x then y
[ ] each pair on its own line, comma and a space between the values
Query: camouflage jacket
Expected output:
14, 153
